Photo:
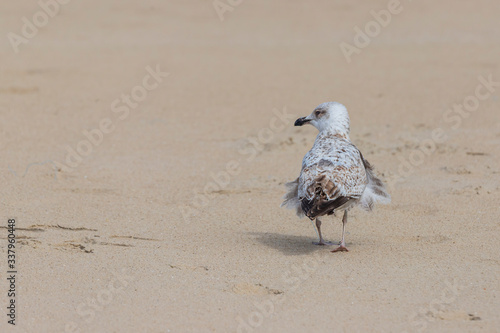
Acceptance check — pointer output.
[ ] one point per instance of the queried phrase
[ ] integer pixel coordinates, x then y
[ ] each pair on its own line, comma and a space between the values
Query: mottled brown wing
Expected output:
330, 179
320, 206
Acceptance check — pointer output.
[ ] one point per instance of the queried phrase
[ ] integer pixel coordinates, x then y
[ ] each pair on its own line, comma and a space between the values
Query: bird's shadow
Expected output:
290, 245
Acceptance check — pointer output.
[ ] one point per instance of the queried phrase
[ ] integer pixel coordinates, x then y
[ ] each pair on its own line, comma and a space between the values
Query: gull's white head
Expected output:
329, 116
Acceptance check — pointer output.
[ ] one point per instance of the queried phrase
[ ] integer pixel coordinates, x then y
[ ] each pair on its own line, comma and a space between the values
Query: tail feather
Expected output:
291, 198
375, 191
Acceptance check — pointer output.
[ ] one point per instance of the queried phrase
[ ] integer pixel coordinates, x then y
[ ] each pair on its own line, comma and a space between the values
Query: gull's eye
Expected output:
317, 113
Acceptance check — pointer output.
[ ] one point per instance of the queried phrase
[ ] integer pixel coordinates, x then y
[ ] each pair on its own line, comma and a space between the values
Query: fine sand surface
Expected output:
138, 237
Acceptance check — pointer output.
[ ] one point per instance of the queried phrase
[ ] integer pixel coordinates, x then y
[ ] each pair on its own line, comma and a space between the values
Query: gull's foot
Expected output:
322, 243
341, 249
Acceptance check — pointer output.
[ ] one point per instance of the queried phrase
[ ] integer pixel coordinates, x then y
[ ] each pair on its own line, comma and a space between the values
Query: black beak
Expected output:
301, 121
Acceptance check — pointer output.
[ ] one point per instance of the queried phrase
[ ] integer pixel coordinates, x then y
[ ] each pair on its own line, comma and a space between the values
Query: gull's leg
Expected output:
321, 240
342, 247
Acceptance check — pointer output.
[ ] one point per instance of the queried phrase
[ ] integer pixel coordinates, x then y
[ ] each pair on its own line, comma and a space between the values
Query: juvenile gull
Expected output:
334, 175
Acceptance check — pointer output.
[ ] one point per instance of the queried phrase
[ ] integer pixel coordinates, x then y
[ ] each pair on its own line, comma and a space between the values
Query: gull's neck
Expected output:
332, 131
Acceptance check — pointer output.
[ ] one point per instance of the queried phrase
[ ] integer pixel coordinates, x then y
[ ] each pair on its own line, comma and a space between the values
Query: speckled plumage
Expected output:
332, 169
334, 174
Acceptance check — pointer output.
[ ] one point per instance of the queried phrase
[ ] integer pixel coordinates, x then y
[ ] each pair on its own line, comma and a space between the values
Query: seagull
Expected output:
334, 175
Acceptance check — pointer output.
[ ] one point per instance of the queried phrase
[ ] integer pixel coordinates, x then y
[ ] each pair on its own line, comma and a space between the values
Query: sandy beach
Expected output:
145, 147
